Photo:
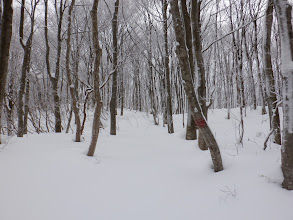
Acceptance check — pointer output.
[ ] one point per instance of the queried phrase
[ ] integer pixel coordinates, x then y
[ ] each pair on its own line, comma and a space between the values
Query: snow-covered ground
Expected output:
144, 173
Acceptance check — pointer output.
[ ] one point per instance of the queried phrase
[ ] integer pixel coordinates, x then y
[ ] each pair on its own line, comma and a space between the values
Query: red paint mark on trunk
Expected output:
201, 123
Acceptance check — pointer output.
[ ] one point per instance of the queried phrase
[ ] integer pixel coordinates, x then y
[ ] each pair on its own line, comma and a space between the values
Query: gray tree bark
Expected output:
5, 39
70, 83
167, 70
113, 102
284, 17
97, 97
190, 126
197, 45
195, 107
27, 46
271, 91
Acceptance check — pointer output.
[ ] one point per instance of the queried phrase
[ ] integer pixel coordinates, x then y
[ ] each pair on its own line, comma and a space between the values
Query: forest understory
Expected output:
145, 173
146, 109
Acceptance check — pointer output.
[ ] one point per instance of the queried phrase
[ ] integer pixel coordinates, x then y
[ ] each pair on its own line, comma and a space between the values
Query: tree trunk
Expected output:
26, 105
113, 102
260, 73
284, 17
5, 39
71, 86
22, 125
191, 131
55, 79
271, 91
98, 54
190, 127
196, 41
167, 71
195, 107
122, 90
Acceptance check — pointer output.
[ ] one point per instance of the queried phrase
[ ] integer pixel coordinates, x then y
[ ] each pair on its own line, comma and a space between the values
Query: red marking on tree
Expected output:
201, 123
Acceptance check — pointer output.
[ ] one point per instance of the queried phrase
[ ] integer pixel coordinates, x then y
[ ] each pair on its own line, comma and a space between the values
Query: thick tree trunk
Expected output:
71, 86
20, 111
167, 71
22, 123
271, 91
55, 79
196, 41
98, 105
5, 39
284, 16
195, 107
113, 102
190, 127
191, 131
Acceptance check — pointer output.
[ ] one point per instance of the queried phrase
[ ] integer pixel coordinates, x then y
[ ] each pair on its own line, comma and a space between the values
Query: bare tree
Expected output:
195, 107
284, 16
201, 76
98, 55
113, 102
5, 39
271, 91
70, 83
167, 70
190, 127
24, 81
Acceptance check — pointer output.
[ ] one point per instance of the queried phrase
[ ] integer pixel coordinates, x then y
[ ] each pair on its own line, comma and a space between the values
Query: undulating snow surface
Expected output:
144, 173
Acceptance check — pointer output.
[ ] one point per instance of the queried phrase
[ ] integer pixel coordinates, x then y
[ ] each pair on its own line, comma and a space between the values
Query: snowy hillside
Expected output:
144, 173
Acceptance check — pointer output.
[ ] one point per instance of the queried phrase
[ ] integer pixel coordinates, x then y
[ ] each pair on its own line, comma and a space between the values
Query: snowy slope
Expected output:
144, 173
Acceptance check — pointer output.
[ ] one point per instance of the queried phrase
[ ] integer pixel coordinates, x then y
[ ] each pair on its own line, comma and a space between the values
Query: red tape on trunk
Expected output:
201, 123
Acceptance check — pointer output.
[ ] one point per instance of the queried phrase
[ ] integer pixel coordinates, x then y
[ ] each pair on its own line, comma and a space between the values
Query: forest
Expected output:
146, 109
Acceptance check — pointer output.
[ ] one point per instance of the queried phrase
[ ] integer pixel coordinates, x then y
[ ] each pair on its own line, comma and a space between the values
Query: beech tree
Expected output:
190, 127
70, 83
201, 73
284, 15
225, 51
22, 108
5, 39
167, 69
113, 102
271, 91
195, 107
97, 54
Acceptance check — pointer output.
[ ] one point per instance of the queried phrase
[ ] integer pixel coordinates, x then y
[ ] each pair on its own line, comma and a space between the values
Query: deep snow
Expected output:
144, 173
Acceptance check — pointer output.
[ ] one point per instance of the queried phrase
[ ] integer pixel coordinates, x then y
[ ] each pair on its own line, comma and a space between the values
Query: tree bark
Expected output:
167, 71
26, 106
196, 41
55, 79
259, 71
190, 127
113, 102
27, 46
71, 86
271, 91
5, 39
195, 107
98, 105
284, 17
